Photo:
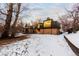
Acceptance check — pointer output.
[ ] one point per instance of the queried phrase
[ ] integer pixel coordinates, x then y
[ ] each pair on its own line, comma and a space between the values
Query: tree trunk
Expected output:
16, 18
5, 34
75, 25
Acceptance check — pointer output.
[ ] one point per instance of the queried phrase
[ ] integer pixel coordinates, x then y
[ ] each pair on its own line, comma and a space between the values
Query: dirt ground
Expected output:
12, 40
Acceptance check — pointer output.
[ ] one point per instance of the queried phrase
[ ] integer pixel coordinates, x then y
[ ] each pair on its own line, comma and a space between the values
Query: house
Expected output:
28, 30
48, 27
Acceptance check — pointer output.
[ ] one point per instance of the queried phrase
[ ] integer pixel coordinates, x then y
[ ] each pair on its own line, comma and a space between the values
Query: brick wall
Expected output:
49, 31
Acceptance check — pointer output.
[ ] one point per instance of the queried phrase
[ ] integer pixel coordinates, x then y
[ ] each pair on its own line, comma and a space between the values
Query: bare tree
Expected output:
5, 34
74, 14
16, 18
67, 23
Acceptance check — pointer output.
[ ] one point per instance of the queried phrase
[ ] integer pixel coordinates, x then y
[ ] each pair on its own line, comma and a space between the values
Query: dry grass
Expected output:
12, 40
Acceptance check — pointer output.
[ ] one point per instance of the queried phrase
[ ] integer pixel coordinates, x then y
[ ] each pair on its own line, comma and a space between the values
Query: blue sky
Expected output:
48, 5
44, 10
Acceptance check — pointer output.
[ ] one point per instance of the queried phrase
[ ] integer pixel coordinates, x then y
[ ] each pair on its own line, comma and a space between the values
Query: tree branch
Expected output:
2, 12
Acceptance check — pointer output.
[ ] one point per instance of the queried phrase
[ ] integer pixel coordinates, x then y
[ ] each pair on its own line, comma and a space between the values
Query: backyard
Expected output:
38, 45
38, 29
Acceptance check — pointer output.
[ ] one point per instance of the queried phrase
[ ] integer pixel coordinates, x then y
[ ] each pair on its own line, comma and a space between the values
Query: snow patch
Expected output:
38, 45
74, 38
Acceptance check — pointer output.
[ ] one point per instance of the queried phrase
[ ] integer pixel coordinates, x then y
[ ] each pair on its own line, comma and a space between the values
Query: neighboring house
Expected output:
47, 27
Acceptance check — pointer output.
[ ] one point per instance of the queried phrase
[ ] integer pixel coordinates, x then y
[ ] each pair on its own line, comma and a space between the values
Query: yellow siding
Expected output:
47, 23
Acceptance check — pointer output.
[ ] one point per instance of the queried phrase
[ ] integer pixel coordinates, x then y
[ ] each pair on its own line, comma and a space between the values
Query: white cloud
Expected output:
54, 12
44, 13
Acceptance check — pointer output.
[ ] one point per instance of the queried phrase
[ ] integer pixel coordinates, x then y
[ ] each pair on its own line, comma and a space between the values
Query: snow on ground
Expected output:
19, 34
74, 38
38, 45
